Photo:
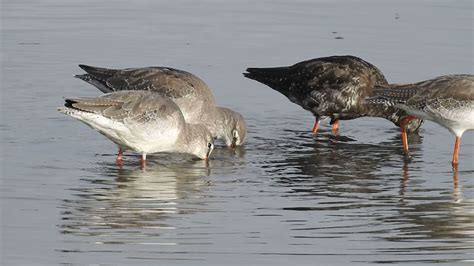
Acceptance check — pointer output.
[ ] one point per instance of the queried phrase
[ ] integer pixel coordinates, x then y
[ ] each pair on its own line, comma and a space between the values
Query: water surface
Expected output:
283, 197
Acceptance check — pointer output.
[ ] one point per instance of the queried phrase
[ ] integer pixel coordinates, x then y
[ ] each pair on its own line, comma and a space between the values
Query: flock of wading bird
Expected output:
161, 109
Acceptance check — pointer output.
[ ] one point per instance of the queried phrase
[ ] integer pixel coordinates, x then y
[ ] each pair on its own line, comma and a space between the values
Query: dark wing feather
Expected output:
170, 82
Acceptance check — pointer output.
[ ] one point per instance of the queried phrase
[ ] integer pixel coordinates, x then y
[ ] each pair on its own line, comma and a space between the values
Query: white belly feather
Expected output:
150, 137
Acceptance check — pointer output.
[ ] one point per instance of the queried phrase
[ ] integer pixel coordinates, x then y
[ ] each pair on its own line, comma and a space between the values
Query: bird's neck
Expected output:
218, 119
190, 137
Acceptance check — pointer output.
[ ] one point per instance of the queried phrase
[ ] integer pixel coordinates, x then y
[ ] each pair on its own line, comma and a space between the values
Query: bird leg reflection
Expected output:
143, 161
405, 179
457, 191
314, 131
404, 182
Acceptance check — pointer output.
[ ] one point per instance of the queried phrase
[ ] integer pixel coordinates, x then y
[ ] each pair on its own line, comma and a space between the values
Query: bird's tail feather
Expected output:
97, 77
274, 77
97, 72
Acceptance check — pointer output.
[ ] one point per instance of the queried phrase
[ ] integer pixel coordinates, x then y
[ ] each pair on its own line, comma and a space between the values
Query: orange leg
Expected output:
404, 139
456, 151
335, 126
403, 124
119, 157
315, 127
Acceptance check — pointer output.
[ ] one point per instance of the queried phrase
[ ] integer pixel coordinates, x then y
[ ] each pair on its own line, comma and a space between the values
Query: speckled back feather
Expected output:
392, 94
453, 88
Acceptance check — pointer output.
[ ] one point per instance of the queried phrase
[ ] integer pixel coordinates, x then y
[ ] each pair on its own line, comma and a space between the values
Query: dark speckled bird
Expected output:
446, 100
332, 87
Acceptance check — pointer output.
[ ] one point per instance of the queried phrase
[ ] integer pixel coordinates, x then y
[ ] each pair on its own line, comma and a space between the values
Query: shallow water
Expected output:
285, 196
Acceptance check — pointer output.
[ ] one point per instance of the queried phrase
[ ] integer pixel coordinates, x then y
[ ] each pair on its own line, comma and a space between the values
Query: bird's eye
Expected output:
210, 145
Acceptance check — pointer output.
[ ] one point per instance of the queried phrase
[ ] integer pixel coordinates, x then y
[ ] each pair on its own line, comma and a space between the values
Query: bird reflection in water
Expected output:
335, 159
405, 180
443, 218
136, 202
368, 190
457, 192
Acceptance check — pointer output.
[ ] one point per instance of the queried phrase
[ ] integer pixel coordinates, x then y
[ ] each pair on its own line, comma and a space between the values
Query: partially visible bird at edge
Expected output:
446, 100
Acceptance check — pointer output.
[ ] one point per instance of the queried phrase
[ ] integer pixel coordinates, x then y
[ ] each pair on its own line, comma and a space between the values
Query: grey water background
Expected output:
284, 197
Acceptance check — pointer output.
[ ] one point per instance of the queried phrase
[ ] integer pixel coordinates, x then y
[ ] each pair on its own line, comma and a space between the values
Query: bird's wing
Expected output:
172, 83
127, 105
